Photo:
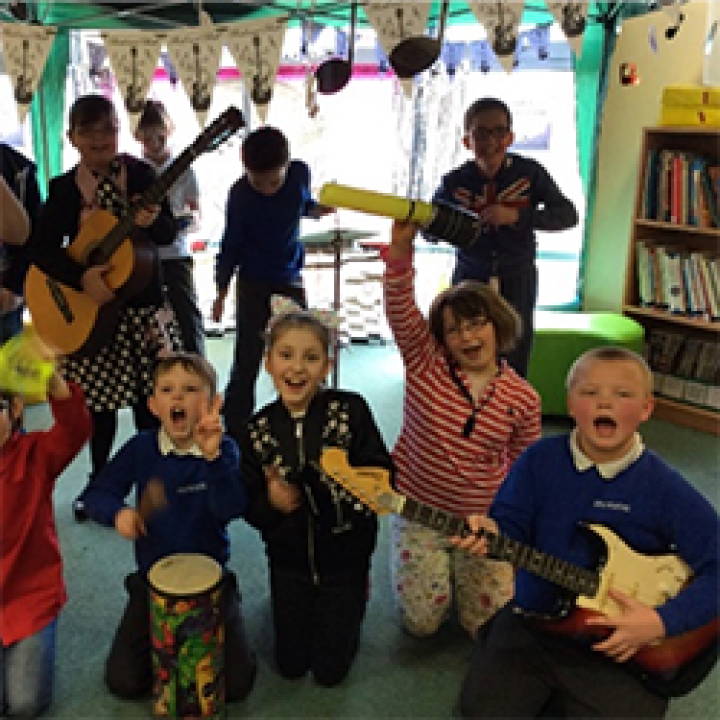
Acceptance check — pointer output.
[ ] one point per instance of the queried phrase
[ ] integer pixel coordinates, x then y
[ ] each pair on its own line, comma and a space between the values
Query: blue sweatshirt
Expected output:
202, 498
648, 505
261, 237
521, 182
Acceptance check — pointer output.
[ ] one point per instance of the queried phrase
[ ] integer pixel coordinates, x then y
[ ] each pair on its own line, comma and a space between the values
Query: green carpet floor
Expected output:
394, 676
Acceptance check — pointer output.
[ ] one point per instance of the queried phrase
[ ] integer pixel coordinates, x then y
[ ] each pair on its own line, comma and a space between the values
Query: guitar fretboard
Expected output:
224, 126
572, 577
153, 195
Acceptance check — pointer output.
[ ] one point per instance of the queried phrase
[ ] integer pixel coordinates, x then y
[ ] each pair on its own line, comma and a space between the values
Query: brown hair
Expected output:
609, 353
483, 105
298, 319
89, 110
470, 299
154, 115
265, 149
192, 362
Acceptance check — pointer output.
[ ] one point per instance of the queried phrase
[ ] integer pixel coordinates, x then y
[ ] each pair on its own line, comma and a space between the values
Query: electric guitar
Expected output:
671, 667
69, 320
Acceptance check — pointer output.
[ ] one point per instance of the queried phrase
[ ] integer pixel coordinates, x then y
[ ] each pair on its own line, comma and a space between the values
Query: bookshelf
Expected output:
670, 287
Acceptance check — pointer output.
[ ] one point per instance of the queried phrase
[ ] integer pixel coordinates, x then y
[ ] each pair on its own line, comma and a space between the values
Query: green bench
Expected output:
560, 337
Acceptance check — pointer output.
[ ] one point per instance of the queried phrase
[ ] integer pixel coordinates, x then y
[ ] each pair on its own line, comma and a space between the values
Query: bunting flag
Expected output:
395, 22
25, 52
195, 52
501, 21
256, 47
133, 56
571, 17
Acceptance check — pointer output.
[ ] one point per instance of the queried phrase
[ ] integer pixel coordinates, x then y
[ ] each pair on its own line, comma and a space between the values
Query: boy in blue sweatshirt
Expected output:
198, 466
514, 196
601, 474
261, 243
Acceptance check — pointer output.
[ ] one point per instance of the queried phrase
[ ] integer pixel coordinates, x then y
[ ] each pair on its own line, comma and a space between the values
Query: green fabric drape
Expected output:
47, 111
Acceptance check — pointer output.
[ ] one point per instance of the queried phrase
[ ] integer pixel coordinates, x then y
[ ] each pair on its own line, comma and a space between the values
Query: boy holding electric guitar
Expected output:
649, 617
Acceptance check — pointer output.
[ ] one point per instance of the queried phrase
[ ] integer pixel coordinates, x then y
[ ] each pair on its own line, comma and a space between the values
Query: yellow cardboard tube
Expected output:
374, 203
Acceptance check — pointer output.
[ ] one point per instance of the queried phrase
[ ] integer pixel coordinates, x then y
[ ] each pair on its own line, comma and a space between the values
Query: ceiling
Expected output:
167, 14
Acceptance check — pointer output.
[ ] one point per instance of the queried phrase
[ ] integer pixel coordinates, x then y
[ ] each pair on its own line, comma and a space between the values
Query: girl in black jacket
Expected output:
319, 539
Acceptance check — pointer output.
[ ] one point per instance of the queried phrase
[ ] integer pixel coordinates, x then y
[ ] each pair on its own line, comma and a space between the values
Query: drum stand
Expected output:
337, 242
337, 239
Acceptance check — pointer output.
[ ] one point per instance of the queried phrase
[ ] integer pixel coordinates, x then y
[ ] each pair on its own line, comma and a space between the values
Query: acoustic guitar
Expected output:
69, 320
670, 667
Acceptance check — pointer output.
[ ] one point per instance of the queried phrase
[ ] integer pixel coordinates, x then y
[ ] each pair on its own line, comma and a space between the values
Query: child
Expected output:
467, 416
32, 590
319, 540
261, 242
120, 373
199, 469
154, 128
514, 196
19, 206
600, 474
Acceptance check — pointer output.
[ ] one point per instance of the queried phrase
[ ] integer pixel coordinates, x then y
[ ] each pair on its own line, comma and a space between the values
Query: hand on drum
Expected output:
209, 430
129, 524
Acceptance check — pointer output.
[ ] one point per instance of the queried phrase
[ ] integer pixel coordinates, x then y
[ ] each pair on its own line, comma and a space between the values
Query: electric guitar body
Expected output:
69, 320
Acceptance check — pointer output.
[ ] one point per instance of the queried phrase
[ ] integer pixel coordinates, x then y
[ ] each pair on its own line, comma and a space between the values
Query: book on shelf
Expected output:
664, 186
712, 172
708, 285
704, 387
648, 209
663, 352
675, 289
644, 274
695, 297
699, 215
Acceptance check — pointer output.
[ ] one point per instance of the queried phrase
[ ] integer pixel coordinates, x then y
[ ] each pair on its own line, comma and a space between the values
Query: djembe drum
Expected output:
187, 634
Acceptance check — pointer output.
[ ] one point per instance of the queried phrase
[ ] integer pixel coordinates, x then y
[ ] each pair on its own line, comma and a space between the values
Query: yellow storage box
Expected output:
690, 105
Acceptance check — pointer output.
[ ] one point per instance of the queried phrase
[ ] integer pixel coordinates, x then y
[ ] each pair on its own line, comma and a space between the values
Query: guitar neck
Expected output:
152, 196
578, 580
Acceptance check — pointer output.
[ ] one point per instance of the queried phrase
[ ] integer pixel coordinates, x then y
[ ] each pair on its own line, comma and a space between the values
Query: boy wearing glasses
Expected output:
32, 591
467, 416
514, 196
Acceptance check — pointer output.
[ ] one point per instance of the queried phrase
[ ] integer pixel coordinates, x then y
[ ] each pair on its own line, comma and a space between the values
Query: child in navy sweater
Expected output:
198, 466
600, 474
261, 243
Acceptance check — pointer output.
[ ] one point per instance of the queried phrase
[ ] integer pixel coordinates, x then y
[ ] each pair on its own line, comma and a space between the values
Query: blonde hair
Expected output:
609, 353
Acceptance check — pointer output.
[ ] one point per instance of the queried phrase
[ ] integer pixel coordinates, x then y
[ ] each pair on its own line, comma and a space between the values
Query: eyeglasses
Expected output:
485, 133
97, 130
470, 325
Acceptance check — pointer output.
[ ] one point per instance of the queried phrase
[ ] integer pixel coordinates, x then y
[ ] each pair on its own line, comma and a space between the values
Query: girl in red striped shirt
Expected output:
467, 416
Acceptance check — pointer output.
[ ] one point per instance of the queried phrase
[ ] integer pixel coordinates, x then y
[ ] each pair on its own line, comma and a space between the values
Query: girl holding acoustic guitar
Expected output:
114, 365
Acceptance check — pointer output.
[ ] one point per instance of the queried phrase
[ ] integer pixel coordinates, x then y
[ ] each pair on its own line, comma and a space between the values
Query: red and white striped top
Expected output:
435, 463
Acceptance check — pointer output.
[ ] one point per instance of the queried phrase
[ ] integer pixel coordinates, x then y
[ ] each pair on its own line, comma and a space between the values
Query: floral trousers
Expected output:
428, 575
